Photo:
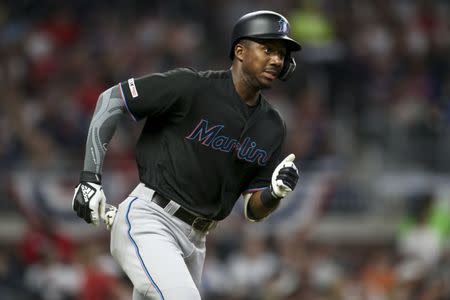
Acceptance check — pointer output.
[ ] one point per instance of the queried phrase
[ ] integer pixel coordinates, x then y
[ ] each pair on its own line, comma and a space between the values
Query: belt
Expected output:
197, 222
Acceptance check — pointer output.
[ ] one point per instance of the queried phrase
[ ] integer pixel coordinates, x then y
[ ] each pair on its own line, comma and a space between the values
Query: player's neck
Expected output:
248, 94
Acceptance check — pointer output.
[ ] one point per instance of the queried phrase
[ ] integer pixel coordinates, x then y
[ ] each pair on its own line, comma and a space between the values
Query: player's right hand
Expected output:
89, 199
110, 215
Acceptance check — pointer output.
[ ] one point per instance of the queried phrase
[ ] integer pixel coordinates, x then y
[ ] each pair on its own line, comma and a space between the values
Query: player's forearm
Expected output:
110, 107
259, 209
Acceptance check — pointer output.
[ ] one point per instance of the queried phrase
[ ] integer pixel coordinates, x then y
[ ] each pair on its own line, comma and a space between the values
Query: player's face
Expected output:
263, 61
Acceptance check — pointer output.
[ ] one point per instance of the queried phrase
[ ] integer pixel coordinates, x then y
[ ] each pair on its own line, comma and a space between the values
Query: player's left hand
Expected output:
285, 177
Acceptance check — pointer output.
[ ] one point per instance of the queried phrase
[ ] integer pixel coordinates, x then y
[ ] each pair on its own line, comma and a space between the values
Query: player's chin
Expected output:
266, 82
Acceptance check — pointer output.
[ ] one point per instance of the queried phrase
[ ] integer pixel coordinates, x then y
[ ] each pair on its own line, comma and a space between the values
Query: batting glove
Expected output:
89, 199
284, 178
110, 215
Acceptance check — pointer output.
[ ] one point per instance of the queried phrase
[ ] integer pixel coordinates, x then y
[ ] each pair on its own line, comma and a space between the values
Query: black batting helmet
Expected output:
266, 24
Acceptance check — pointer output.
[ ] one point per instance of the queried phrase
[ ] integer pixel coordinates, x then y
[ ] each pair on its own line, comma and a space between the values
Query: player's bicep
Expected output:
147, 96
155, 94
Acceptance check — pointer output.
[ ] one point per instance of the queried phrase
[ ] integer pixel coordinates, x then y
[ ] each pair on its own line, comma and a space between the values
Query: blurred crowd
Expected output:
370, 101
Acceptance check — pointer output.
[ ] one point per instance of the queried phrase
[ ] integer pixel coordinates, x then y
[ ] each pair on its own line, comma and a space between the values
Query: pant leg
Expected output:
138, 296
148, 253
196, 259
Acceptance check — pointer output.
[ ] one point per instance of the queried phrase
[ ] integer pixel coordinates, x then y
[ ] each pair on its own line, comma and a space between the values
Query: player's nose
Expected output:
277, 59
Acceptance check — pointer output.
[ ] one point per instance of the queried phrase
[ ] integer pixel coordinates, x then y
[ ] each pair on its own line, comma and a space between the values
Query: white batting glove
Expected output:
89, 199
110, 215
284, 178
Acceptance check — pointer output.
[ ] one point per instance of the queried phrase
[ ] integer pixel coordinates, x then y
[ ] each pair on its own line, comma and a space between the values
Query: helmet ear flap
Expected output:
288, 68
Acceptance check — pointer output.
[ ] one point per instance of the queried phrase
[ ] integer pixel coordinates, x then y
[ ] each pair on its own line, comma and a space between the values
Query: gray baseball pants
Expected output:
162, 255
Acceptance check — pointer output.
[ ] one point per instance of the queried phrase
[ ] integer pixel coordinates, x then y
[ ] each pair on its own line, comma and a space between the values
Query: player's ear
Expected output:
239, 50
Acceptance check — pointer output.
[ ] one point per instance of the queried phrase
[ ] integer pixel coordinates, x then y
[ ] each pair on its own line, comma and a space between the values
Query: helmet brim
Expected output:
291, 44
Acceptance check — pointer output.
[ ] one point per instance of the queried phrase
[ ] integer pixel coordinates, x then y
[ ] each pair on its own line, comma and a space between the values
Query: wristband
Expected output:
268, 200
86, 176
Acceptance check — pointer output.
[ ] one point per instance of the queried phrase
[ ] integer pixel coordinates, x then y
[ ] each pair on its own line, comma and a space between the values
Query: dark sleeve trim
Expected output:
126, 104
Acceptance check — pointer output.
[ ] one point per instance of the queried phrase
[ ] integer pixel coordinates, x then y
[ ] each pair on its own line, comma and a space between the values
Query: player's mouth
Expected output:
271, 74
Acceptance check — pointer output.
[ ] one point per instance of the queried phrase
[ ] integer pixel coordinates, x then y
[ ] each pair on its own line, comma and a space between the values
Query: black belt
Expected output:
197, 222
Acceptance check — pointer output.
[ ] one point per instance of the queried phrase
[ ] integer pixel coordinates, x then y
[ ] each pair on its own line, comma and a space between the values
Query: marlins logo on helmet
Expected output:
284, 28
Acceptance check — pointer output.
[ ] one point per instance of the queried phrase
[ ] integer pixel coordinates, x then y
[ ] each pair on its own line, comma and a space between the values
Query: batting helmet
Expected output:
266, 24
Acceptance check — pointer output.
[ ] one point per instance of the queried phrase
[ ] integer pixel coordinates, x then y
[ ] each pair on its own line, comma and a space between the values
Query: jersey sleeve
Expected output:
155, 94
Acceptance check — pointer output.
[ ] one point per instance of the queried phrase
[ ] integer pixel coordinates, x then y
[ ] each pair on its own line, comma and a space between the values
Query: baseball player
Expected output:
208, 138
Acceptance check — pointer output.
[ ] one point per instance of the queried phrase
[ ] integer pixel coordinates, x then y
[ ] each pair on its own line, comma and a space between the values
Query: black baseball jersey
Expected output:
201, 145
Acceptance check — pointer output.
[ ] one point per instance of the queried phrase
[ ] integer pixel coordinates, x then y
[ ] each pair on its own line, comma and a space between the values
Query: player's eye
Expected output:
272, 51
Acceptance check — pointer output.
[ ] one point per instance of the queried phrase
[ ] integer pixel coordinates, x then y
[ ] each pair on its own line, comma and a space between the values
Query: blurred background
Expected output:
368, 113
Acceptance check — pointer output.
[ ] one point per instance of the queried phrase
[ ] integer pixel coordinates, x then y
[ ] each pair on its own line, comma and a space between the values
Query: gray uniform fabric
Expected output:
157, 250
110, 107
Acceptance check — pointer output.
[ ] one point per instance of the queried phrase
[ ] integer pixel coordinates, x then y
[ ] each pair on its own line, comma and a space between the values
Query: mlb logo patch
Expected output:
132, 87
